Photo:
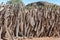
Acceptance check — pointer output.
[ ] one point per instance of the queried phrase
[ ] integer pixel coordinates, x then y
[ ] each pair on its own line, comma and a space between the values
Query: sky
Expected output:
30, 1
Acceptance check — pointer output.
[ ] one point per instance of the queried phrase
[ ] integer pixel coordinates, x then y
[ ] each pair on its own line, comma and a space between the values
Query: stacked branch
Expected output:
19, 21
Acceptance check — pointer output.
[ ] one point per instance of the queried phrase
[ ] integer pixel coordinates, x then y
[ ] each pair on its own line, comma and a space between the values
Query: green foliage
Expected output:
16, 1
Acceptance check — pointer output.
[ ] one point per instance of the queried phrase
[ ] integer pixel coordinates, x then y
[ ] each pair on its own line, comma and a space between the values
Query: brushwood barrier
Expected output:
19, 21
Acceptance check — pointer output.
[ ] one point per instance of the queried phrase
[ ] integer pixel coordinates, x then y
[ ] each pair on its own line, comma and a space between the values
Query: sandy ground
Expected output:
42, 38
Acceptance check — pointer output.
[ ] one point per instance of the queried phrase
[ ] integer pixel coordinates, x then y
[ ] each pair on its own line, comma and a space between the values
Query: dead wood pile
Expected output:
18, 21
